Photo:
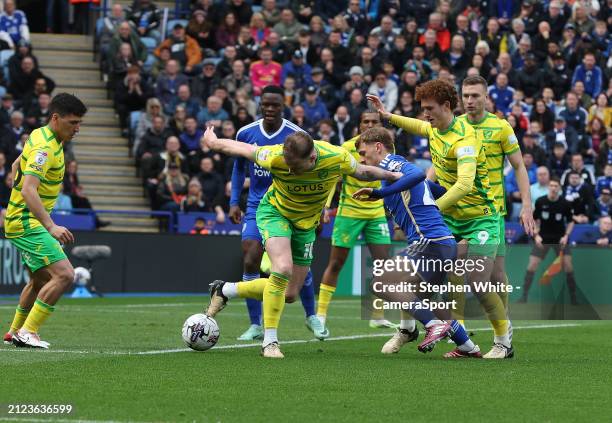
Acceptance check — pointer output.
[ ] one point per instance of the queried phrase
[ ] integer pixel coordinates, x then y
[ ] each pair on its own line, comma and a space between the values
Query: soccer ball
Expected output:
200, 332
81, 276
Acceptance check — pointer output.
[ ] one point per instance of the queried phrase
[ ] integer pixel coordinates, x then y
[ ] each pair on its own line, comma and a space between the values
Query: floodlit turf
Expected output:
109, 359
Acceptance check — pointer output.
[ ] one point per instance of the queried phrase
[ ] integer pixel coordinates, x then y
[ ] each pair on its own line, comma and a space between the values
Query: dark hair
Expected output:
555, 178
475, 80
380, 135
273, 89
572, 172
367, 112
297, 146
66, 104
438, 90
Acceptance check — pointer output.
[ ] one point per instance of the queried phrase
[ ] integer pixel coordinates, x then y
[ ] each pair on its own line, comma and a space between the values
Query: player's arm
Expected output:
15, 166
227, 146
238, 178
412, 176
431, 174
371, 173
436, 190
466, 172
29, 191
413, 126
522, 179
330, 198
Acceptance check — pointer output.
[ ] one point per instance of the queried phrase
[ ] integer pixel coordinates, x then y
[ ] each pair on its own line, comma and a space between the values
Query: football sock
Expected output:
378, 314
503, 339
21, 315
269, 336
307, 295
460, 337
37, 316
274, 299
254, 306
407, 323
504, 295
494, 309
252, 289
326, 292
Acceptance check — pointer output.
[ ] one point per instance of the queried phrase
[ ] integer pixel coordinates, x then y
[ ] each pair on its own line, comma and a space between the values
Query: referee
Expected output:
553, 215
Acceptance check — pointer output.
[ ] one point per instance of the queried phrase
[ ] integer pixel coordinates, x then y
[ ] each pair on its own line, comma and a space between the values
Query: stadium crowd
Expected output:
548, 64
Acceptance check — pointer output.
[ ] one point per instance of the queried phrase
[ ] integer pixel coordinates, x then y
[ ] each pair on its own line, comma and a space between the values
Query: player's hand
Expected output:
326, 218
364, 194
379, 106
563, 240
526, 219
63, 235
210, 138
235, 214
538, 240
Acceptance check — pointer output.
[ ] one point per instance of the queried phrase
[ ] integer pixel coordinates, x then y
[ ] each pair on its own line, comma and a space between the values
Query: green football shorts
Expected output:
38, 249
348, 229
482, 234
271, 223
501, 249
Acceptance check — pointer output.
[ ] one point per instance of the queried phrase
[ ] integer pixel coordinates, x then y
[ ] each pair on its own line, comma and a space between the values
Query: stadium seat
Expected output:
150, 43
148, 64
134, 118
5, 55
99, 27
172, 22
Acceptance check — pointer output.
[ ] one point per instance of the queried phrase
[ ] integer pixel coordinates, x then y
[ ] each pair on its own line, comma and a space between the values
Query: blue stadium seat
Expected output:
134, 118
5, 55
172, 22
148, 64
99, 26
150, 43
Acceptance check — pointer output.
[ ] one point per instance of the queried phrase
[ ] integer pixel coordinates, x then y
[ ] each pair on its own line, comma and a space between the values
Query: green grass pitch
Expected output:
122, 359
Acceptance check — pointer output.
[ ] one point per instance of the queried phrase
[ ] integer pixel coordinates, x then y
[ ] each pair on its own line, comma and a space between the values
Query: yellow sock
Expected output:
37, 316
459, 297
495, 311
252, 289
326, 292
274, 300
20, 316
504, 295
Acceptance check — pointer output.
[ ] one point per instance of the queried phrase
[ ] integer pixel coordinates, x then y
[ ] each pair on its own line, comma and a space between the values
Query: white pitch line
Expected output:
34, 420
293, 341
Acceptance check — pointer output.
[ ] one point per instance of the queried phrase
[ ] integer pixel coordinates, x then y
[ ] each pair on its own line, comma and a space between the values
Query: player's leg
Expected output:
568, 268
26, 301
378, 244
499, 275
307, 297
535, 258
252, 251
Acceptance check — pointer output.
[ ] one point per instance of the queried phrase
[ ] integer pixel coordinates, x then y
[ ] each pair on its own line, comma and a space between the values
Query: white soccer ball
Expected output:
81, 276
200, 332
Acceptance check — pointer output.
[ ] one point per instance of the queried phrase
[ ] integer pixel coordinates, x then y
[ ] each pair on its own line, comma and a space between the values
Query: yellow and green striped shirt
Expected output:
458, 144
42, 157
301, 198
350, 207
499, 141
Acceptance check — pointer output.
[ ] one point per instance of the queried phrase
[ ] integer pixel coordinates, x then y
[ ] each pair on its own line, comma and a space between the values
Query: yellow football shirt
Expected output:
301, 198
499, 141
43, 157
350, 207
457, 144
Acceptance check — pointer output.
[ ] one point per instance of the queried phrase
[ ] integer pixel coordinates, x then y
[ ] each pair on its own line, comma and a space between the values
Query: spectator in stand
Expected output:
130, 96
23, 49
602, 236
190, 137
171, 189
168, 82
574, 115
31, 99
511, 184
602, 110
145, 121
299, 117
199, 227
560, 76
577, 165
292, 94
604, 181
159, 66
265, 71
542, 114
12, 132
594, 138
540, 187
326, 132
314, 108
581, 19
201, 29
385, 89
243, 100
386, 32
558, 14
603, 204
288, 27
193, 201
531, 147
541, 42
309, 52
125, 35
259, 30
270, 12
357, 20
184, 49
38, 115
14, 22
342, 125
531, 78
176, 124
184, 99
242, 117
121, 63
227, 33
563, 134
605, 155
501, 93
213, 113
296, 68
75, 190
213, 188
153, 142
159, 165
110, 27
145, 18
224, 67
23, 82
7, 107
356, 81
559, 162
246, 47
205, 83
241, 9
196, 156
581, 196
279, 48
237, 80
456, 58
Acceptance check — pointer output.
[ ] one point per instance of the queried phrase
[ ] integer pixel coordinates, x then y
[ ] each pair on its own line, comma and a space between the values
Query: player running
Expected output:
271, 129
39, 173
413, 207
303, 173
468, 208
353, 218
500, 142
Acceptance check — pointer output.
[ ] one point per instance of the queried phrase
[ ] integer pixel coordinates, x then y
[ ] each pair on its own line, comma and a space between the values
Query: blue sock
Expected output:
460, 336
254, 306
423, 315
307, 295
